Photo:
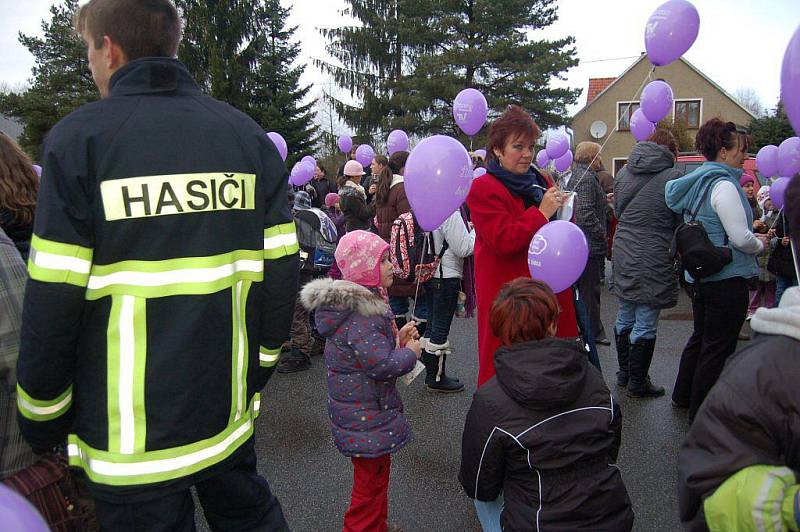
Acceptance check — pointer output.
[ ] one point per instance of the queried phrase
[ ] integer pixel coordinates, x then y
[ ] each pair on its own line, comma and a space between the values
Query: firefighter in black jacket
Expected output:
163, 278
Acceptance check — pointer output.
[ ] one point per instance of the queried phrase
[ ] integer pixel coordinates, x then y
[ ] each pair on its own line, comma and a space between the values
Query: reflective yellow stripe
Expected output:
43, 410
268, 357
183, 276
280, 241
115, 469
57, 262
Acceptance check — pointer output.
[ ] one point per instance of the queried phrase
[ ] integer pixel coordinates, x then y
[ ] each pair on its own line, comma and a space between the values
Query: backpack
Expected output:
699, 256
411, 250
316, 235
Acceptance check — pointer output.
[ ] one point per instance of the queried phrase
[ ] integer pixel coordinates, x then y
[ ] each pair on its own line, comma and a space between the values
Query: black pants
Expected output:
719, 312
238, 499
590, 286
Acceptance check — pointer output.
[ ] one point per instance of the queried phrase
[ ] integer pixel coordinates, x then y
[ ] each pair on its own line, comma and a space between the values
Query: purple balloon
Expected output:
365, 154
558, 254
302, 173
656, 100
309, 159
345, 143
478, 172
279, 143
767, 161
37, 169
437, 179
542, 159
16, 513
670, 31
397, 141
641, 127
564, 162
789, 157
470, 110
778, 190
557, 145
481, 153
790, 81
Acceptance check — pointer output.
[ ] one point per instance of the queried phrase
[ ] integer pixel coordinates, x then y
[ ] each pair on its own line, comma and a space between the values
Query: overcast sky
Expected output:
741, 42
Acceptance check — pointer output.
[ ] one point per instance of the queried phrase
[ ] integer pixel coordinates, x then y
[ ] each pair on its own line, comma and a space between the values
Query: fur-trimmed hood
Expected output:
334, 300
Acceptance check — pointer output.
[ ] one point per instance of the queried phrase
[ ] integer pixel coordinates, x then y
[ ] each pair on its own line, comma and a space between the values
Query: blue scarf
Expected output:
520, 184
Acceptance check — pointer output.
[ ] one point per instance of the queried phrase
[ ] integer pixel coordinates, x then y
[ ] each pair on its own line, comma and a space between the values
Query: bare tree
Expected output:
750, 100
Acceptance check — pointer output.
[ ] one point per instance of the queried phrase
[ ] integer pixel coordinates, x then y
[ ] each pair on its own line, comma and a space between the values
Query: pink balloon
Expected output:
656, 100
437, 179
563, 163
778, 190
365, 154
790, 81
558, 254
641, 127
345, 143
470, 110
542, 159
767, 161
397, 141
478, 172
670, 31
302, 173
557, 145
279, 143
789, 157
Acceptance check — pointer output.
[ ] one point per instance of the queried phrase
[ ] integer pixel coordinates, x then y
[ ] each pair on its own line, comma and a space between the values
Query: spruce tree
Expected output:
61, 80
771, 129
241, 53
409, 59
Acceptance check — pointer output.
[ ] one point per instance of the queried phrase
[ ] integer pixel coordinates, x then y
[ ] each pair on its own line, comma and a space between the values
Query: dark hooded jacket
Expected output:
644, 270
545, 431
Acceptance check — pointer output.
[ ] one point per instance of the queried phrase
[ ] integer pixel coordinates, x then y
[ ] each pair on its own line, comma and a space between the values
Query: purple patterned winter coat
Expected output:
365, 409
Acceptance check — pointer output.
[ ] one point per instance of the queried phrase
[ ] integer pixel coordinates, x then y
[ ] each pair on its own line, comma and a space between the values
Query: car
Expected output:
691, 161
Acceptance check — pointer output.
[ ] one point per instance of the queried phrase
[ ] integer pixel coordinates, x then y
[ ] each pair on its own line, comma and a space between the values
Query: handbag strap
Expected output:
693, 215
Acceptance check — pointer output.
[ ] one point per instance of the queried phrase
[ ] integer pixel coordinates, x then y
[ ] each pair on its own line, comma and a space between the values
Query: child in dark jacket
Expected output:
544, 432
365, 354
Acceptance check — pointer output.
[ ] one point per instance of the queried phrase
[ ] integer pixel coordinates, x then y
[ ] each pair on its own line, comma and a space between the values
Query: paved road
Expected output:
313, 480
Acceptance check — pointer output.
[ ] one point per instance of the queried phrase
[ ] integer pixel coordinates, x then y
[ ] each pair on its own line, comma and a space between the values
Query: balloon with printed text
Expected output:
670, 31
302, 172
279, 143
365, 154
470, 110
438, 177
558, 254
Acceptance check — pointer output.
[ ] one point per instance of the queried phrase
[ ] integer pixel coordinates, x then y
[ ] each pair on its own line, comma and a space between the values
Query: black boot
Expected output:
435, 378
294, 361
641, 354
623, 341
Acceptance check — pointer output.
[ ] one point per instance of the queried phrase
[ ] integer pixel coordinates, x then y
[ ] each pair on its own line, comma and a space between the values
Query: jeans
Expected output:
719, 309
441, 300
641, 320
236, 499
782, 284
401, 305
585, 327
489, 514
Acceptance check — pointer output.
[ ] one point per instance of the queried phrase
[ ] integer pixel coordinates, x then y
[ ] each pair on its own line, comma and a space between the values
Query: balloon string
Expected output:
619, 121
416, 274
470, 142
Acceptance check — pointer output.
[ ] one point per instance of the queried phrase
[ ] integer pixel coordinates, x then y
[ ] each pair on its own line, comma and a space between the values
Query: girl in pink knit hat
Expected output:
365, 354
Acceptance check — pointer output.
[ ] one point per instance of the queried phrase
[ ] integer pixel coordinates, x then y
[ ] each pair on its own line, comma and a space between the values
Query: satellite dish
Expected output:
598, 129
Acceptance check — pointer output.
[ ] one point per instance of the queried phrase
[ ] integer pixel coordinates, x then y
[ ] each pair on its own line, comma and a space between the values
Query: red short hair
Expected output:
514, 123
524, 310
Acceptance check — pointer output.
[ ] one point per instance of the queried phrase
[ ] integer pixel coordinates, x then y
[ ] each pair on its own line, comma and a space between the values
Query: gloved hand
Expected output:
757, 498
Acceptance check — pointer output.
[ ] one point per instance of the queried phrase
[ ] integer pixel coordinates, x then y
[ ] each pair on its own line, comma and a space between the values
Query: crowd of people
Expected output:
167, 281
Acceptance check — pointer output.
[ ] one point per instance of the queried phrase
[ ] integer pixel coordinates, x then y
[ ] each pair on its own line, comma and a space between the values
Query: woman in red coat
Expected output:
508, 205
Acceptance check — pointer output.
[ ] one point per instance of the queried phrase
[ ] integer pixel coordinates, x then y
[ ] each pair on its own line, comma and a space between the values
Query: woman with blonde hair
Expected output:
590, 216
19, 186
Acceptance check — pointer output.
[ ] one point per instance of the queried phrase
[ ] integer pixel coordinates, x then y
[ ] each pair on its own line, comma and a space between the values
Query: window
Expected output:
624, 112
688, 111
618, 164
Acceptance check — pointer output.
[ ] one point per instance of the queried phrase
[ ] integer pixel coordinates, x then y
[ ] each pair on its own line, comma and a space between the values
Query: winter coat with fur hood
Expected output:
363, 361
